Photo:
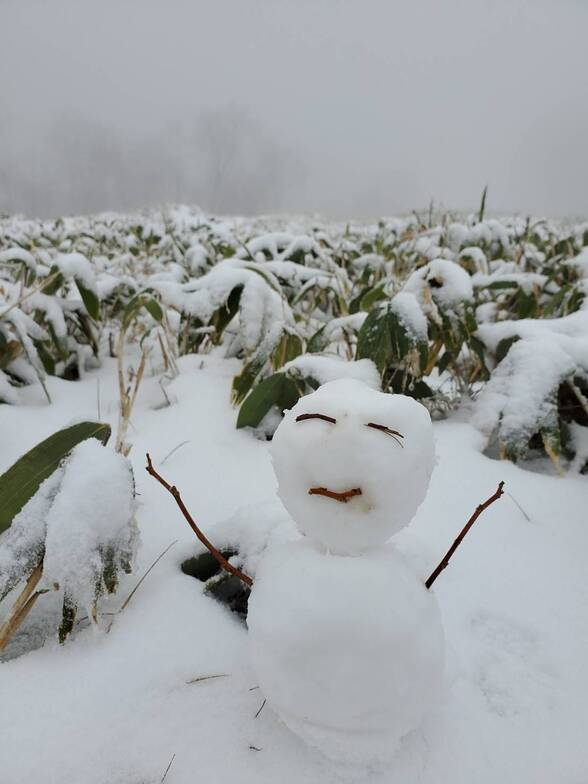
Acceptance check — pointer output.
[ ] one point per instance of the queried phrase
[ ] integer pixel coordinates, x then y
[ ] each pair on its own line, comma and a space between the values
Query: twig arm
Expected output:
228, 567
479, 509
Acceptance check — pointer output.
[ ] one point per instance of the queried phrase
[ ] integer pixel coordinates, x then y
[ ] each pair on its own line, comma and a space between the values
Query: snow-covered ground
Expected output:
116, 707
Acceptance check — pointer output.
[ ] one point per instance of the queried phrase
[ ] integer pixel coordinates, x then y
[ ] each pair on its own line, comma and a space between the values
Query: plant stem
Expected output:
22, 606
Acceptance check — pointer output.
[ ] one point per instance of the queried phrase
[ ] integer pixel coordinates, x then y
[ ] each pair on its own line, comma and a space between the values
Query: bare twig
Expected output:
155, 562
388, 431
324, 417
208, 677
23, 298
479, 509
261, 708
175, 449
98, 399
167, 769
343, 497
136, 588
526, 516
228, 567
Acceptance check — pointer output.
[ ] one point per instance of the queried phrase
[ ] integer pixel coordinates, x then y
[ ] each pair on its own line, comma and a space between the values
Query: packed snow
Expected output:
349, 651
376, 444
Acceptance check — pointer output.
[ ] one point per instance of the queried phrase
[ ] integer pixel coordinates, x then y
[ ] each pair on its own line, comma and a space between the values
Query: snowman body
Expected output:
346, 641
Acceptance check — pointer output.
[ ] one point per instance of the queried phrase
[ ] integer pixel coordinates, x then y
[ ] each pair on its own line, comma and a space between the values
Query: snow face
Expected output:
349, 651
376, 457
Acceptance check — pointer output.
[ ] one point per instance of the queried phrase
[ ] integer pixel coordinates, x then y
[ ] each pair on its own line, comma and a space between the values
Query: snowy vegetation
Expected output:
446, 308
159, 321
67, 525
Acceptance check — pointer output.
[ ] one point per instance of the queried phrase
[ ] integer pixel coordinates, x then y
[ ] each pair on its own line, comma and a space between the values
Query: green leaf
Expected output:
246, 378
68, 618
90, 300
318, 342
141, 300
503, 347
401, 341
46, 358
154, 309
260, 400
374, 340
369, 299
289, 347
55, 283
502, 284
384, 339
445, 361
277, 390
556, 300
225, 314
423, 348
479, 349
19, 484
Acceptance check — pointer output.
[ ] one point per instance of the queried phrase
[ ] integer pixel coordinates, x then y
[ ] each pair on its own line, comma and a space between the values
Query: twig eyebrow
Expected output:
389, 432
324, 417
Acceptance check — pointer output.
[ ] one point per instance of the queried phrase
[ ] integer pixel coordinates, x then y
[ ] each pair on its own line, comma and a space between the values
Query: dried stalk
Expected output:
23, 298
228, 567
127, 395
136, 588
22, 606
208, 678
479, 509
582, 400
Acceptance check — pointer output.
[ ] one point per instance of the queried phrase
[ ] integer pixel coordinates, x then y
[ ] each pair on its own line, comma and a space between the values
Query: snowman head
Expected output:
353, 464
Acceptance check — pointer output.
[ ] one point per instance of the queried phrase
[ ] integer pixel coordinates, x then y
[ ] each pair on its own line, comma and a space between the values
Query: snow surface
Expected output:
116, 707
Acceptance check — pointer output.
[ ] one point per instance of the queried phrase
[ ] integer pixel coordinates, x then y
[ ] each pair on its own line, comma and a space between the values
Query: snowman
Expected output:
346, 641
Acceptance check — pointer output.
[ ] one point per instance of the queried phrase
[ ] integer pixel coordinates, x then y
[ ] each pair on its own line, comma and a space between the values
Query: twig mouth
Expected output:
343, 497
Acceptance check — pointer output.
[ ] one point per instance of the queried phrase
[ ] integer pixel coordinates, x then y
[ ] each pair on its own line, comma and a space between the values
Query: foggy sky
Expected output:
351, 108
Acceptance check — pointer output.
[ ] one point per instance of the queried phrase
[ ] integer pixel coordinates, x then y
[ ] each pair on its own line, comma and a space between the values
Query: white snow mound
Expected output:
391, 471
349, 651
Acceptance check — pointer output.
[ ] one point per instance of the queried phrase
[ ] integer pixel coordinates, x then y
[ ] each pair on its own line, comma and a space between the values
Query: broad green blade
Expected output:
19, 484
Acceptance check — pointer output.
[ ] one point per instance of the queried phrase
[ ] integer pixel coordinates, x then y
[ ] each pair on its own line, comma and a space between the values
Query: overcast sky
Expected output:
350, 108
